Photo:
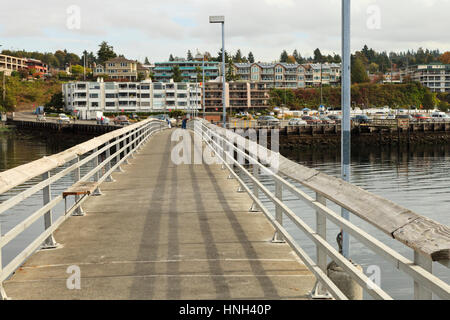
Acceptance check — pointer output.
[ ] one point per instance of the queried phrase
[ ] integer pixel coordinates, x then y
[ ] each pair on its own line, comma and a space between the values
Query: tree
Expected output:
171, 58
238, 57
250, 57
373, 67
189, 56
359, 74
105, 53
177, 77
428, 100
318, 58
77, 69
146, 61
199, 72
445, 58
284, 56
291, 59
56, 103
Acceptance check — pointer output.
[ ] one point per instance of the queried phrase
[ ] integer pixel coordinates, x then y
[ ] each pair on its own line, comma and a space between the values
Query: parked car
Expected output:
421, 117
311, 120
362, 119
440, 117
390, 117
63, 118
297, 122
336, 118
268, 121
121, 120
327, 120
103, 121
406, 116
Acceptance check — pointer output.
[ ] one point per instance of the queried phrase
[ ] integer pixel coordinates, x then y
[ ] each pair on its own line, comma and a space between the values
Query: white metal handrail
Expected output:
425, 281
125, 141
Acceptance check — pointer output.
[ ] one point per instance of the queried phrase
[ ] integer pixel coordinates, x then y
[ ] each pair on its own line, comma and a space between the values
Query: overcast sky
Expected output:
157, 28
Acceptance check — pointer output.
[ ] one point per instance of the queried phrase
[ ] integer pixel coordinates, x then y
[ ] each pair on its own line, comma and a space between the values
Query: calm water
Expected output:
418, 180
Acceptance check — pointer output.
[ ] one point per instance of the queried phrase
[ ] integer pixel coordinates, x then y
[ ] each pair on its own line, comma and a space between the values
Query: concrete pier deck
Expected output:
162, 231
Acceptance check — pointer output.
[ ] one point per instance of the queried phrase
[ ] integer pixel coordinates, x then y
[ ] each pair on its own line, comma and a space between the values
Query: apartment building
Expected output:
8, 64
285, 75
40, 68
163, 71
239, 96
118, 69
87, 98
434, 76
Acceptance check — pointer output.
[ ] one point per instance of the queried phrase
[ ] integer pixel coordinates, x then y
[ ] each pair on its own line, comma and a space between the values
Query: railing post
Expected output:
277, 238
79, 210
50, 242
97, 191
118, 147
420, 292
255, 207
108, 162
3, 295
319, 292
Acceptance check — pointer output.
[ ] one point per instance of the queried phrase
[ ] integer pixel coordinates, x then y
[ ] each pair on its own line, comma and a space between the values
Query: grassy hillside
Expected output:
24, 94
379, 95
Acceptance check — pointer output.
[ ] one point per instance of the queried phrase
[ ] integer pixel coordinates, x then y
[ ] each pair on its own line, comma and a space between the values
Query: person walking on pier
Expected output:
183, 123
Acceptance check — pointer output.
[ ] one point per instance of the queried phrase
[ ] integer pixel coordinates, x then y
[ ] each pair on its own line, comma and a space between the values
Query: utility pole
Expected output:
345, 103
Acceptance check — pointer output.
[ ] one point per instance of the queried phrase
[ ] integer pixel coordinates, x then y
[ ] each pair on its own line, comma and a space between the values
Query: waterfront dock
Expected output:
162, 231
146, 225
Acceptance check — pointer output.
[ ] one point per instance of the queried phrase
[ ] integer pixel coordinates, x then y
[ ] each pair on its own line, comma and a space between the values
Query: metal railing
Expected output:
107, 152
232, 149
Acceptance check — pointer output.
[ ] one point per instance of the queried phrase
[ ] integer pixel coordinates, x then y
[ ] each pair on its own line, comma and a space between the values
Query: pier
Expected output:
138, 225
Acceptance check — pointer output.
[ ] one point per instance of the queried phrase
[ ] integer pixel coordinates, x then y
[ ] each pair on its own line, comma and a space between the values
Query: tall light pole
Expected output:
203, 86
345, 104
221, 19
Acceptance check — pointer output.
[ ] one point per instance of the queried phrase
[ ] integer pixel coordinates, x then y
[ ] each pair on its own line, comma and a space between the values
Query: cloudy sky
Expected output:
156, 28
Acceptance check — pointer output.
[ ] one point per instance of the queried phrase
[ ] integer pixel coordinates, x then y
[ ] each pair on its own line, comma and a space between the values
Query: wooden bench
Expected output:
81, 188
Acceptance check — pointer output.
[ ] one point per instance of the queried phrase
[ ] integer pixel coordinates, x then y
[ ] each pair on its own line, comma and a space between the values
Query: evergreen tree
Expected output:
284, 56
177, 77
171, 58
318, 58
189, 56
250, 57
105, 53
238, 57
146, 61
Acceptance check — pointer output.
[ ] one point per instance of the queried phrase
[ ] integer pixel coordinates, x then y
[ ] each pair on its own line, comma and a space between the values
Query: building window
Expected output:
94, 104
93, 95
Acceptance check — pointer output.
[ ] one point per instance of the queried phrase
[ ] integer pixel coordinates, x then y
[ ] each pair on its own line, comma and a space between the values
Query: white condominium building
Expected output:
87, 98
434, 76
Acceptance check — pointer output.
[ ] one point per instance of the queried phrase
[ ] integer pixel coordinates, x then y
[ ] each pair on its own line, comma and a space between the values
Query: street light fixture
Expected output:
221, 19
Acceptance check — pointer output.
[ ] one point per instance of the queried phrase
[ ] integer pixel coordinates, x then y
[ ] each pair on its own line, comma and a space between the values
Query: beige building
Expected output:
119, 69
8, 64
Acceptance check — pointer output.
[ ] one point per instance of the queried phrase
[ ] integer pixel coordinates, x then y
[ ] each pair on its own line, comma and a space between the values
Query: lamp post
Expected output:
203, 86
345, 103
221, 19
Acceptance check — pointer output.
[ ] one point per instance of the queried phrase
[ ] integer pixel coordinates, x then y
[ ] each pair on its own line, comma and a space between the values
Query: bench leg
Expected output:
3, 295
79, 210
97, 192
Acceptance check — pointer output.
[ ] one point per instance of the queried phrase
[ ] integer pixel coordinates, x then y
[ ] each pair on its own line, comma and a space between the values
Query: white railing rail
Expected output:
124, 143
231, 148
